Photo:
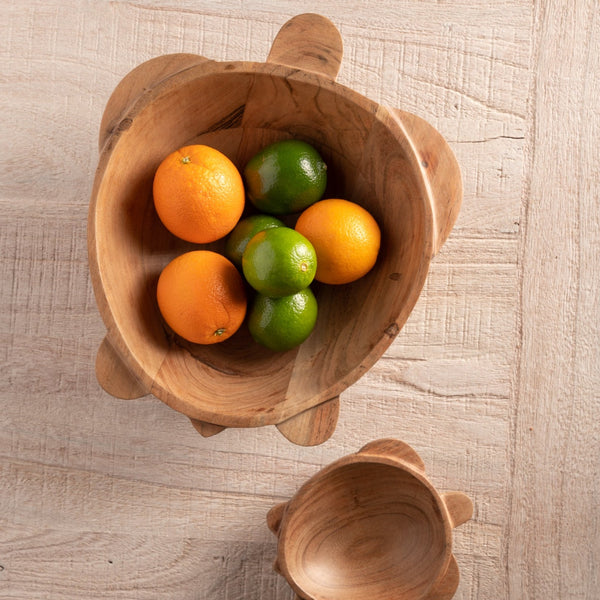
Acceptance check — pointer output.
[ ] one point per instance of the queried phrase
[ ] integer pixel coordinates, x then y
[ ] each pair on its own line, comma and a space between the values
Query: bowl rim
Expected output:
295, 505
119, 340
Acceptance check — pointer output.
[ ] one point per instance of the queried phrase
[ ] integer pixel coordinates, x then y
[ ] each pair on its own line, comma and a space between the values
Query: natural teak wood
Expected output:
309, 42
312, 426
393, 163
370, 525
135, 83
114, 375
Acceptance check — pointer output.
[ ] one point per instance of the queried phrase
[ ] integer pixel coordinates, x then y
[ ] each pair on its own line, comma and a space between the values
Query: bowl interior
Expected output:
238, 110
365, 530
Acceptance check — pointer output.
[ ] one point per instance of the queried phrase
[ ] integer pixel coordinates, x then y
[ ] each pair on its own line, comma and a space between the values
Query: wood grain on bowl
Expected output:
392, 163
370, 525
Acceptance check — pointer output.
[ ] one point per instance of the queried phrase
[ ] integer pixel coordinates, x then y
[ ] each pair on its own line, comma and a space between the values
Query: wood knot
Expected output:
392, 330
124, 125
428, 160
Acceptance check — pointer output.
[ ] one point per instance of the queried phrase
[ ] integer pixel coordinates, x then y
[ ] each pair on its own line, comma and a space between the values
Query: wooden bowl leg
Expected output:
395, 448
459, 506
441, 170
274, 517
445, 587
206, 429
309, 42
313, 426
114, 376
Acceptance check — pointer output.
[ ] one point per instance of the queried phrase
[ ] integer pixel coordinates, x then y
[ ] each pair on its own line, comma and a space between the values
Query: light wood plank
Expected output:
555, 432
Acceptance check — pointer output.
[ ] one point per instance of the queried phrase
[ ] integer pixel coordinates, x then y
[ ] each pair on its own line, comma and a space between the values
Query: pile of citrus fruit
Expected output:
200, 196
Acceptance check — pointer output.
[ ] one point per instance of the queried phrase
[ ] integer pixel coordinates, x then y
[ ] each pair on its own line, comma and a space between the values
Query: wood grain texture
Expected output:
308, 42
493, 380
393, 164
370, 525
114, 376
313, 426
555, 426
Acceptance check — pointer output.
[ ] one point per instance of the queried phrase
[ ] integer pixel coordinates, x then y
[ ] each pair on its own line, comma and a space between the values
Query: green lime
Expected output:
243, 232
283, 323
279, 262
285, 177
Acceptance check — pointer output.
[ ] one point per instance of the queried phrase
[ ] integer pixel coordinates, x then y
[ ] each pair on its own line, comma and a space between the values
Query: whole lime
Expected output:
244, 231
283, 323
279, 262
285, 177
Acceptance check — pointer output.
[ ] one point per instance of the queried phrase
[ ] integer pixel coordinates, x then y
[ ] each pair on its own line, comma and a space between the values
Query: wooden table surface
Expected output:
494, 379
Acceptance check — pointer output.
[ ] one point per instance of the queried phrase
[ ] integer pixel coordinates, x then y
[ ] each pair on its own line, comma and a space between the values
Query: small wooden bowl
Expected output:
393, 163
370, 525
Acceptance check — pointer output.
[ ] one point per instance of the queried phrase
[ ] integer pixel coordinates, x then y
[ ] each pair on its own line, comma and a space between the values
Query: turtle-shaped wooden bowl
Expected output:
370, 525
394, 164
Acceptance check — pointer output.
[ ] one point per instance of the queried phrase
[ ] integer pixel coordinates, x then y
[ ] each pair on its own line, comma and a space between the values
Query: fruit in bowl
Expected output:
279, 262
285, 177
346, 239
244, 231
201, 296
198, 196
393, 164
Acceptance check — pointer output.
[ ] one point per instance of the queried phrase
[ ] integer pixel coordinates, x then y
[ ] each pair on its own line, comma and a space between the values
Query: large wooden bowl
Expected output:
391, 162
370, 525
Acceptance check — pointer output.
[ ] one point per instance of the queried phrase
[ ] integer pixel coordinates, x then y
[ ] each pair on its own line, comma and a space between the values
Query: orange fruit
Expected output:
198, 194
346, 239
201, 296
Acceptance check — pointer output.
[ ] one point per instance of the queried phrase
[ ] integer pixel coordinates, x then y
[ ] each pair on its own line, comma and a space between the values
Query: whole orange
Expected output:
198, 194
345, 236
201, 296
